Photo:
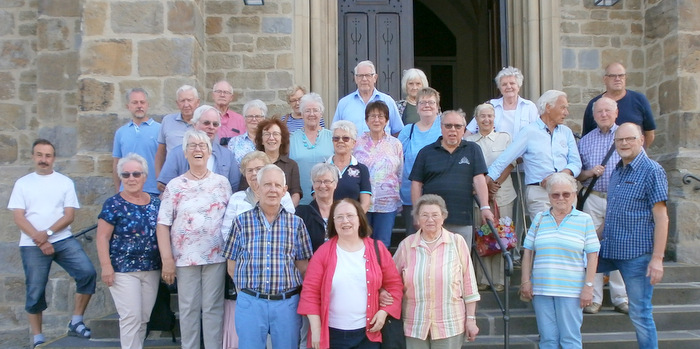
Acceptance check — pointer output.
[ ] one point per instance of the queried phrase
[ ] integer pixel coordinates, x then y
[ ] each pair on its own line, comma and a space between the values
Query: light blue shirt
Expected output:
525, 114
352, 108
172, 130
143, 140
412, 144
543, 153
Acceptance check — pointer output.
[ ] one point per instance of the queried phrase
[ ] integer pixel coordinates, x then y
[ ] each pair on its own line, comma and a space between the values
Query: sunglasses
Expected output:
565, 195
337, 139
453, 126
207, 123
135, 174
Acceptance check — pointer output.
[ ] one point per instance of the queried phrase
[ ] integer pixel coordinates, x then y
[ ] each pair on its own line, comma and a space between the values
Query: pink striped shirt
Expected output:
437, 285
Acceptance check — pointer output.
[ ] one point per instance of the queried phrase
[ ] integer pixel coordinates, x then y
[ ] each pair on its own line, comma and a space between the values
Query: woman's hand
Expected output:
526, 290
316, 339
108, 275
168, 272
586, 296
378, 321
385, 298
471, 330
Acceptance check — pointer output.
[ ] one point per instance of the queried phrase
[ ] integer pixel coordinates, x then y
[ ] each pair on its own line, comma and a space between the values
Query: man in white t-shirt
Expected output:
44, 204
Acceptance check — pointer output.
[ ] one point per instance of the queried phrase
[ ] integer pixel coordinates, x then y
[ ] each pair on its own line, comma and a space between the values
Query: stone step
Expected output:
601, 340
67, 342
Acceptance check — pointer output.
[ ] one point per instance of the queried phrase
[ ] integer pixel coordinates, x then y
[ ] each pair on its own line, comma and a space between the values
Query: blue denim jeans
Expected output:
559, 321
350, 339
382, 224
639, 293
70, 256
256, 317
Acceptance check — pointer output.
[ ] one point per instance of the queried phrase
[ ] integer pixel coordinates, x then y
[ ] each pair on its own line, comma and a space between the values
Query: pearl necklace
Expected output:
199, 177
432, 241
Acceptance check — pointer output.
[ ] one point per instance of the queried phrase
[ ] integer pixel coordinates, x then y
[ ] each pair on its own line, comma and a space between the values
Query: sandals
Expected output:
73, 330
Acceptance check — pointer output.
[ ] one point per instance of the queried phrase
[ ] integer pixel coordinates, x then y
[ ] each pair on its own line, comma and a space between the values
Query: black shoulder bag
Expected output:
392, 332
583, 196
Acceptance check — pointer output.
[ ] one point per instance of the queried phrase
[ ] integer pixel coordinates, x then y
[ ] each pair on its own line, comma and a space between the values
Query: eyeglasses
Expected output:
337, 139
343, 218
207, 123
434, 216
255, 116
272, 134
223, 92
615, 76
430, 103
312, 111
135, 174
193, 146
625, 139
376, 116
324, 182
362, 76
453, 126
253, 170
294, 100
565, 195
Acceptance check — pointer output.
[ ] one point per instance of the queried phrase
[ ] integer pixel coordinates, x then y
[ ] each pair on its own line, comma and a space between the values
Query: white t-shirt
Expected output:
43, 198
348, 307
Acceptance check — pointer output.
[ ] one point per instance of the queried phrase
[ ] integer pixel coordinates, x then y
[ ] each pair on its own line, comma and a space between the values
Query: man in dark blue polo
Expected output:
453, 168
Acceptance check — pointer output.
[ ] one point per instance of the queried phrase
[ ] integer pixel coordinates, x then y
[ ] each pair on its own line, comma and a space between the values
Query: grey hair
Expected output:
254, 155
459, 112
510, 71
481, 107
128, 93
608, 100
201, 110
256, 103
133, 157
229, 86
430, 199
322, 168
548, 98
365, 64
198, 135
270, 167
561, 178
311, 97
411, 74
346, 126
293, 89
186, 88
637, 127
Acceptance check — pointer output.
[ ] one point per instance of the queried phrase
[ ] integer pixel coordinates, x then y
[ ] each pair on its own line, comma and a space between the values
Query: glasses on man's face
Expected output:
343, 218
272, 134
193, 146
223, 92
364, 76
565, 195
616, 76
325, 182
253, 170
453, 126
337, 139
625, 140
135, 174
214, 123
429, 103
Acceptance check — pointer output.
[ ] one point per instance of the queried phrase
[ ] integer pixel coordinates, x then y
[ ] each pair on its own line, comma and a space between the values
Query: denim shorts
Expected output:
70, 256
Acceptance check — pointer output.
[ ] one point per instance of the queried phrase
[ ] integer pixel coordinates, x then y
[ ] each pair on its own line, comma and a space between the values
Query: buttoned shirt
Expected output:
352, 108
593, 147
143, 140
525, 113
629, 221
633, 107
265, 252
240, 146
224, 164
232, 124
493, 145
543, 152
172, 129
384, 159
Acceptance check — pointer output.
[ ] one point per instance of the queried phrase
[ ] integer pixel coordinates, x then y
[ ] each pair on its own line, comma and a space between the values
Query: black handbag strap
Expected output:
595, 179
376, 251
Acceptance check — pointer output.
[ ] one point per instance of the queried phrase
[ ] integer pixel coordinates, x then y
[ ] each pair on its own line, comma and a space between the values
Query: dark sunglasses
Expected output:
565, 194
453, 126
338, 138
126, 175
207, 123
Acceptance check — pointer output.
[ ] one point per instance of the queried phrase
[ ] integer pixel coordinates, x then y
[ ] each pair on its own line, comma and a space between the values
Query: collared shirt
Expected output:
413, 140
525, 113
232, 124
143, 140
384, 159
541, 158
240, 146
265, 252
172, 129
296, 124
291, 173
559, 268
224, 164
593, 148
629, 221
245, 200
431, 302
352, 108
353, 181
492, 145
633, 107
307, 155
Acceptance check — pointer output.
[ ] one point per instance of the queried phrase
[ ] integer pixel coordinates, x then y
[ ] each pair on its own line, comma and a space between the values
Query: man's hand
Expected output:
487, 215
655, 270
46, 248
40, 238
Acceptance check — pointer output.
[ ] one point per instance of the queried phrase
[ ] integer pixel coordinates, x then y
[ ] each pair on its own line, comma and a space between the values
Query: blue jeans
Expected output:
559, 321
382, 223
70, 256
256, 317
639, 293
350, 339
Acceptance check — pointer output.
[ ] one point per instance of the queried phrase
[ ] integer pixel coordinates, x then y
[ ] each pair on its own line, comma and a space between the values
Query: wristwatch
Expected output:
49, 232
589, 284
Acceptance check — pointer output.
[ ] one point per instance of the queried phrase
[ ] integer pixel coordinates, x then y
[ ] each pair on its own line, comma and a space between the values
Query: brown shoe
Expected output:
483, 287
498, 288
594, 308
622, 308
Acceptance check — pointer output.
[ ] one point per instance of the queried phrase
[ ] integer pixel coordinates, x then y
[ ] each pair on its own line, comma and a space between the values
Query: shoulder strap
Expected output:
587, 193
413, 125
376, 251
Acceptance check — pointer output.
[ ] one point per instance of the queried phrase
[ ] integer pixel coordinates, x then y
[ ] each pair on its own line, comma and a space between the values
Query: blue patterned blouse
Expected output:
133, 246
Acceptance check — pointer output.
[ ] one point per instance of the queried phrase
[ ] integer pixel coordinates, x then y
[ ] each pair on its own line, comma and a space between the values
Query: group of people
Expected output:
244, 210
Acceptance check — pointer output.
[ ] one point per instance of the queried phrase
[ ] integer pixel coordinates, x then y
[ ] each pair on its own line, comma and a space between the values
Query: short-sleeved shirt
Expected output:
172, 129
408, 112
143, 140
232, 124
629, 221
450, 175
384, 159
307, 155
352, 108
296, 124
633, 107
413, 140
133, 245
353, 181
240, 146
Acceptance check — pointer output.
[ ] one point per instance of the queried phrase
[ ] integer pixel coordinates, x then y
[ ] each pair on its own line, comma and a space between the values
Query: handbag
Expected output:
392, 332
486, 243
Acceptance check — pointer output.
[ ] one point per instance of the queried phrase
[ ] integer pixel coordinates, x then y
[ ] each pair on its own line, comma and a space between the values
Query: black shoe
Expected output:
36, 344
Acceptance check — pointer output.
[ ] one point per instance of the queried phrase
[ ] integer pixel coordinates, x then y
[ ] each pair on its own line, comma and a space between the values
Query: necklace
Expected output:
432, 241
199, 177
307, 143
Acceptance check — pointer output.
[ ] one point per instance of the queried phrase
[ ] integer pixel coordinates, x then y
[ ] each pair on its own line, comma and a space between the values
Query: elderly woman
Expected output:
324, 178
128, 250
492, 144
311, 144
354, 176
413, 138
565, 247
294, 120
190, 242
512, 111
254, 111
413, 80
438, 278
383, 156
341, 287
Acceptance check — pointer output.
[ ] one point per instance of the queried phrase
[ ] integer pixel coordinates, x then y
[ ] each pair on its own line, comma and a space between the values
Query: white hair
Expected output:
548, 98
201, 110
186, 88
136, 158
256, 103
365, 64
510, 71
346, 126
270, 167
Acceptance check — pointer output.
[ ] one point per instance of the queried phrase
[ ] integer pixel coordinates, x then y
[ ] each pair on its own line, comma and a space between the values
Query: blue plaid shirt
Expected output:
629, 221
593, 147
265, 252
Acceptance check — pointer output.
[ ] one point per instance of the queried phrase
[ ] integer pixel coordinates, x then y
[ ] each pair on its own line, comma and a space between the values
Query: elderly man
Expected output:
140, 136
546, 145
232, 123
636, 228
598, 158
43, 204
174, 126
633, 106
453, 168
208, 119
352, 106
268, 251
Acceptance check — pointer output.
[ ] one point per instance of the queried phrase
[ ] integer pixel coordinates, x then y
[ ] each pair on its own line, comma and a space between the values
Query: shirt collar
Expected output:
445, 238
353, 160
574, 212
374, 93
612, 130
148, 122
636, 162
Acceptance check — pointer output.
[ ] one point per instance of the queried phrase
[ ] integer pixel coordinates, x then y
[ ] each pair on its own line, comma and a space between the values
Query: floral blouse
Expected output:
133, 245
384, 159
194, 210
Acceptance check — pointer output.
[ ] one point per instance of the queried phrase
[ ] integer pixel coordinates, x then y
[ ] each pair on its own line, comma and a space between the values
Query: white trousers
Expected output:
134, 294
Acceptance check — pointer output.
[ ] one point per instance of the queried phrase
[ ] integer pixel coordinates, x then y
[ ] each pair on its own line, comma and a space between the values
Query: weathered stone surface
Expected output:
15, 54
109, 57
59, 8
218, 44
243, 24
636, 59
626, 15
689, 47
103, 164
654, 53
152, 87
78, 165
689, 12
7, 22
54, 33
576, 41
689, 93
269, 8
279, 79
27, 29
94, 190
57, 71
669, 99
27, 15
13, 116
7, 85
603, 28
613, 55
259, 61
223, 61
214, 25
183, 17
8, 149
224, 7
96, 132
251, 80
600, 15
589, 59
660, 20
95, 17
569, 27
274, 43
49, 106
95, 95
137, 17
277, 25
64, 138
166, 57
285, 61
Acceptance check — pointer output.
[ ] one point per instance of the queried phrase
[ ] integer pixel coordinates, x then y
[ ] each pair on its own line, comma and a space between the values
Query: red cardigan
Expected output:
316, 291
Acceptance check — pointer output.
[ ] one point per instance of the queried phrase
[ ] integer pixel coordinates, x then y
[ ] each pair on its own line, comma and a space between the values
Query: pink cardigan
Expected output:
316, 291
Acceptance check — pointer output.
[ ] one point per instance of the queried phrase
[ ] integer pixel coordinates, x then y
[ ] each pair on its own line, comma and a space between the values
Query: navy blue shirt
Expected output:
353, 181
633, 107
451, 176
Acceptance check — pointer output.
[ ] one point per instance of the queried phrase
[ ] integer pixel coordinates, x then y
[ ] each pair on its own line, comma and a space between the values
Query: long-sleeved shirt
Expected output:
593, 147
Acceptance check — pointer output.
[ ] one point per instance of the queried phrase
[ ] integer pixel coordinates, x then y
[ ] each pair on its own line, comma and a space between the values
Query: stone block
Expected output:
54, 34
218, 44
285, 61
614, 55
572, 13
64, 138
632, 4
271, 7
28, 76
94, 191
599, 15
96, 131
7, 23
689, 12
689, 52
604, 28
669, 98
223, 61
251, 80
8, 149
95, 17
243, 24
589, 59
576, 41
78, 165
137, 17
14, 288
7, 85
167, 57
28, 29
569, 27
661, 20
277, 25
568, 59
259, 61
626, 15
279, 80
103, 164
224, 7
654, 53
152, 87
108, 57
601, 41
184, 18
95, 95
14, 116
214, 25
49, 106
574, 78
636, 29
15, 54
274, 43
689, 93
59, 8
636, 59
57, 71
239, 47
573, 95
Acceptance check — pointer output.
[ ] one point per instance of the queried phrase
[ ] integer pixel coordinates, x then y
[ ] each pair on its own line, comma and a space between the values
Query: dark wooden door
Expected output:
376, 30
